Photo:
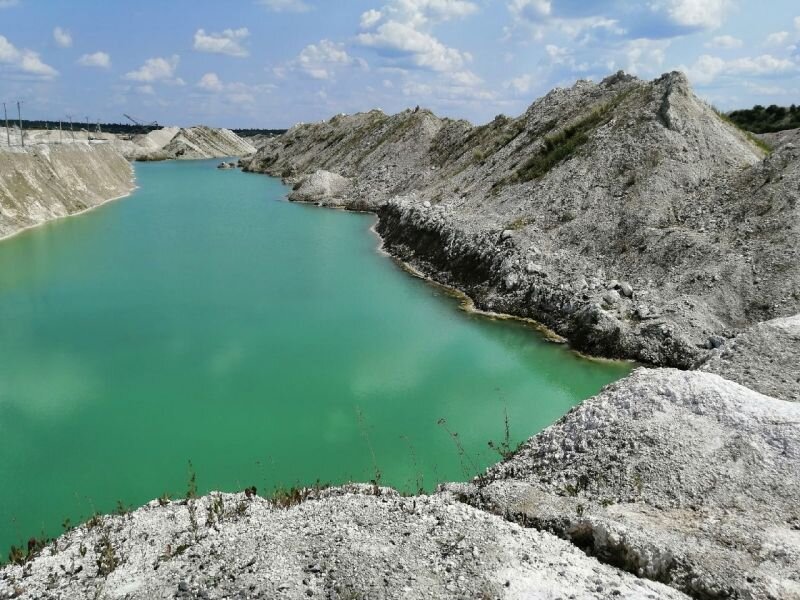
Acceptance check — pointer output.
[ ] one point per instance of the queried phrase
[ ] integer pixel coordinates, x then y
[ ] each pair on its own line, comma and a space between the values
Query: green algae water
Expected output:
206, 319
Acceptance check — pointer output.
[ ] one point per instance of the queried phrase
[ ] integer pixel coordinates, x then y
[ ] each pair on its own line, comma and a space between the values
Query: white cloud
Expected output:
62, 37
24, 61
370, 18
725, 41
228, 42
319, 60
707, 68
779, 38
645, 56
535, 18
563, 57
703, 14
215, 90
401, 32
530, 10
156, 69
285, 5
520, 85
424, 50
97, 59
466, 78
210, 82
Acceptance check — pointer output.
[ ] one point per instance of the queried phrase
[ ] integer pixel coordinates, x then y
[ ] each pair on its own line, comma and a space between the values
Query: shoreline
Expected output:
465, 302
75, 214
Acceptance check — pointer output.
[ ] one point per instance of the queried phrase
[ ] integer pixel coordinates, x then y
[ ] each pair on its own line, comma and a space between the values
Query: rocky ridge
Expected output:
192, 143
625, 215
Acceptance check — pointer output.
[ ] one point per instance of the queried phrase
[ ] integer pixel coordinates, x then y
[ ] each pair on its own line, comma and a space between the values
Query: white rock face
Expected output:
322, 186
765, 357
45, 182
349, 543
682, 477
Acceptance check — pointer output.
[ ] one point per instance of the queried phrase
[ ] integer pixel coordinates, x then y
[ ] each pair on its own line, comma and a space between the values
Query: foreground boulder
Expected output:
356, 542
684, 478
322, 187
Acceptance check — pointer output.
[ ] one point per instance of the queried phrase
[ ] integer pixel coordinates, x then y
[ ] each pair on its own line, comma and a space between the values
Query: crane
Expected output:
137, 122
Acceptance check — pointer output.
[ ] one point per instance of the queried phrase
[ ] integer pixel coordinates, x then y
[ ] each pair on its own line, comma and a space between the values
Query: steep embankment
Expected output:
45, 182
187, 144
626, 215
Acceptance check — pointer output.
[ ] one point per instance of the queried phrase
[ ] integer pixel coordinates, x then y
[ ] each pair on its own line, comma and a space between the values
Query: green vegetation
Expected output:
504, 448
562, 145
520, 223
765, 120
755, 140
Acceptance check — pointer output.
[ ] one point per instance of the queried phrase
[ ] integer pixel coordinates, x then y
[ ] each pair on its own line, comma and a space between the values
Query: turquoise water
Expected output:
206, 319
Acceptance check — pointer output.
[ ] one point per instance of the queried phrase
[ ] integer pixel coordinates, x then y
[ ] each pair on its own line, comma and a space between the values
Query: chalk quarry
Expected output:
628, 217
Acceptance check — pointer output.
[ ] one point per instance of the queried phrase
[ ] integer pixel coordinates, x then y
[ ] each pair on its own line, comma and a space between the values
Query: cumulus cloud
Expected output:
645, 56
696, 14
707, 68
402, 40
779, 38
419, 13
370, 18
24, 61
210, 82
62, 37
537, 17
285, 5
319, 60
242, 94
401, 31
725, 41
520, 85
530, 10
228, 42
98, 59
156, 69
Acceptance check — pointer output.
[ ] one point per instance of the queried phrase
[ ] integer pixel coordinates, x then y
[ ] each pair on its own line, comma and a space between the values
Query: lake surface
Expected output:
206, 319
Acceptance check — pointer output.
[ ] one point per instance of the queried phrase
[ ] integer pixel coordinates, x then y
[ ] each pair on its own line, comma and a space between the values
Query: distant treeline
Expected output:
118, 128
252, 132
765, 120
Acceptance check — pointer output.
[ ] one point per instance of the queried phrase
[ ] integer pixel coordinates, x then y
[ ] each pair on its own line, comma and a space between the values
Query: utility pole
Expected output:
88, 131
21, 132
8, 131
60, 134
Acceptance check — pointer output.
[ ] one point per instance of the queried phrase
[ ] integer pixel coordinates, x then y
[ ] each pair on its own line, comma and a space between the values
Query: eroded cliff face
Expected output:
626, 215
190, 143
46, 182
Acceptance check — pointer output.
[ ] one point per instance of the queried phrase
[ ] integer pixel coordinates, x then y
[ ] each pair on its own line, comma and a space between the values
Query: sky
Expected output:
273, 63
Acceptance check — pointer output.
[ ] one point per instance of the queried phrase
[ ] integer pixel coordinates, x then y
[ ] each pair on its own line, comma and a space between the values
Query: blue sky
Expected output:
272, 63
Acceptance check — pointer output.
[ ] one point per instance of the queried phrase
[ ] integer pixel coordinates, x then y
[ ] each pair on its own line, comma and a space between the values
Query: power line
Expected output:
19, 114
8, 131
